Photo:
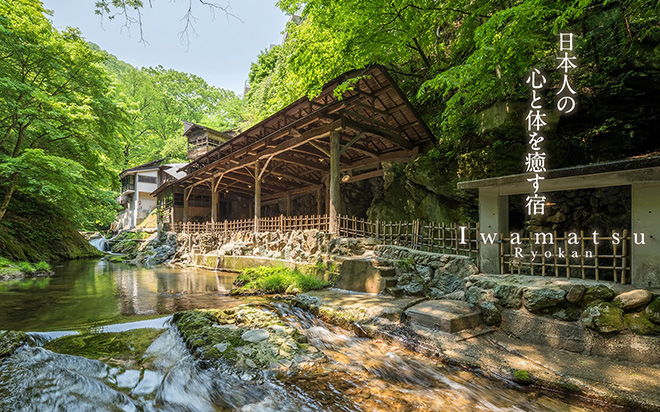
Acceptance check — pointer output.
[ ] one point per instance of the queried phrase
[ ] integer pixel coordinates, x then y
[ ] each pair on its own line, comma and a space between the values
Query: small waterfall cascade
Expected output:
100, 243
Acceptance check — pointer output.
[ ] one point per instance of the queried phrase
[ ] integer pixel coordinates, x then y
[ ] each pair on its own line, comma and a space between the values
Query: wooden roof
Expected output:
374, 119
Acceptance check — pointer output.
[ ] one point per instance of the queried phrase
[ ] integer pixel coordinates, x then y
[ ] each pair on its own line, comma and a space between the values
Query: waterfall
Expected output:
100, 243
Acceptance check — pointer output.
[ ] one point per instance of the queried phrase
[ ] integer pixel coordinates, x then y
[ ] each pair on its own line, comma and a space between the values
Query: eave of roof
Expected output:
631, 164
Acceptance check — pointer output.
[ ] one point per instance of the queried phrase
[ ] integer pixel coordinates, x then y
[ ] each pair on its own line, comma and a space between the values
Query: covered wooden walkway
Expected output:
309, 147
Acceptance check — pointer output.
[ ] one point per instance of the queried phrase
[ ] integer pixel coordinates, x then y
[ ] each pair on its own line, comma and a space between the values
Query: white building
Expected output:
137, 183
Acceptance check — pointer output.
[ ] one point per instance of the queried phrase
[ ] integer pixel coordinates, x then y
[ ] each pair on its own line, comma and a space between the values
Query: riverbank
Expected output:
628, 385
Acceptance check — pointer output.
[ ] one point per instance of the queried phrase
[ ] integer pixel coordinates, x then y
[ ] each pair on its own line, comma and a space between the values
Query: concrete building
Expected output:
137, 183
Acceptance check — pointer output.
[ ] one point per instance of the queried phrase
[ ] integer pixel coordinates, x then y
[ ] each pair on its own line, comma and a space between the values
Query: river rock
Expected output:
11, 340
490, 313
258, 340
537, 298
509, 296
633, 299
575, 293
603, 317
653, 311
596, 293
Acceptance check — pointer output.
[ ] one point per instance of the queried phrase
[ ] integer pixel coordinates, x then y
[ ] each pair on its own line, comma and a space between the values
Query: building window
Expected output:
147, 179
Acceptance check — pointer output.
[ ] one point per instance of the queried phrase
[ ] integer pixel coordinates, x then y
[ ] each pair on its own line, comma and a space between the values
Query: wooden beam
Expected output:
282, 195
335, 195
364, 176
350, 143
257, 195
301, 162
378, 131
319, 148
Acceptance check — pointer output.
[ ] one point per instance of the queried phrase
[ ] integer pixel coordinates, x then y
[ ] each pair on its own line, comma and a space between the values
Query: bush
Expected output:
4, 263
264, 279
42, 267
26, 267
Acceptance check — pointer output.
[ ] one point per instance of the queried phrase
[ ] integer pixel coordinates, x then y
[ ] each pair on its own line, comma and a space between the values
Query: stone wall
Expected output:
420, 273
576, 315
300, 246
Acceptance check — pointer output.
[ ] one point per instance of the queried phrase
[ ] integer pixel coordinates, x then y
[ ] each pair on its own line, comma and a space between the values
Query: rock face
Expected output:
246, 337
537, 298
633, 299
603, 317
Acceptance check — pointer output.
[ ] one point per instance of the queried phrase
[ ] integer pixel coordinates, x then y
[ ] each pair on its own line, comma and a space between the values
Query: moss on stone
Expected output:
10, 340
265, 279
603, 317
523, 377
640, 324
653, 311
114, 348
597, 293
229, 335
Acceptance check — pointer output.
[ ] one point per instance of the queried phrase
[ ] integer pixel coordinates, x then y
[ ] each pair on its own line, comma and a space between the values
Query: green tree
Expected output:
59, 122
160, 99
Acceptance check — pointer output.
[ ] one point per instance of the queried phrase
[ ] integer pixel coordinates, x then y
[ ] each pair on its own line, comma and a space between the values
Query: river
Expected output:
96, 296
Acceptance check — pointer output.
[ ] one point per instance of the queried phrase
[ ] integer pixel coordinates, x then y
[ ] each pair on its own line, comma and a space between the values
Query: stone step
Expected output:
389, 282
386, 271
447, 315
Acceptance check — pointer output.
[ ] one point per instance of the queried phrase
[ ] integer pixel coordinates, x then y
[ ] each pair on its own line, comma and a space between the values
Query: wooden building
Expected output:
309, 148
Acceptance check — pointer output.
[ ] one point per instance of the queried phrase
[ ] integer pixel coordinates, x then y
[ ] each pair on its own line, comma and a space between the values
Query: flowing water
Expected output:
361, 374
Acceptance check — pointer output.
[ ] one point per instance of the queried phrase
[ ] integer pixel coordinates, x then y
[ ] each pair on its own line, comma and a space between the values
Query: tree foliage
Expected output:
59, 121
456, 59
159, 100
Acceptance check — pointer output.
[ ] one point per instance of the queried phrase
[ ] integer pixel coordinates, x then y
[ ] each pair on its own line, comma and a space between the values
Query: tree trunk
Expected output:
8, 195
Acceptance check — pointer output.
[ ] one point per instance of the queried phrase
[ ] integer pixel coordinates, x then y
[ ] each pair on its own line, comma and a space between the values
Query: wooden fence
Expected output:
417, 234
570, 255
266, 224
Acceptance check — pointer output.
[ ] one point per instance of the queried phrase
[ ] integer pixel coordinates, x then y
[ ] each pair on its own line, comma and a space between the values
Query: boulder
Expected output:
509, 296
603, 317
447, 282
537, 298
460, 295
596, 293
424, 272
633, 299
490, 313
653, 311
575, 293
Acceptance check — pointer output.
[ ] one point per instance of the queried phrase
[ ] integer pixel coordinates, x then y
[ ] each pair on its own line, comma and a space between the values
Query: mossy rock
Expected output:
10, 340
597, 293
246, 337
522, 377
113, 348
653, 311
568, 313
640, 324
603, 317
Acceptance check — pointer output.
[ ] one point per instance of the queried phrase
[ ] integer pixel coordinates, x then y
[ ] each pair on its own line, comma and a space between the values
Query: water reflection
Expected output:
85, 292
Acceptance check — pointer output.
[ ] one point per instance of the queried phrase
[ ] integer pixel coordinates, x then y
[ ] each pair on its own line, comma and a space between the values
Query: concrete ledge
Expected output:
240, 262
540, 330
447, 315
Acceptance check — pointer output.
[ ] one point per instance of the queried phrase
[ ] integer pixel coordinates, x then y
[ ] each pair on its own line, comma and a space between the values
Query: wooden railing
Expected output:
416, 234
266, 224
427, 236
570, 255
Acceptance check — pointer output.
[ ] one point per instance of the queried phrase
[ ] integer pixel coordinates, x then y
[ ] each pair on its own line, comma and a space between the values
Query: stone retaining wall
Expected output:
434, 275
575, 315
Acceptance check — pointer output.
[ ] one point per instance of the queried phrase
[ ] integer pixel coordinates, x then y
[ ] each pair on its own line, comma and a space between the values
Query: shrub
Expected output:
25, 267
4, 262
42, 267
264, 279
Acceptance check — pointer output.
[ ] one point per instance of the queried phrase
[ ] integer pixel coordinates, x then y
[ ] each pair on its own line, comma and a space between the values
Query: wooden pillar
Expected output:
334, 182
214, 201
288, 204
185, 203
493, 219
257, 195
318, 201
